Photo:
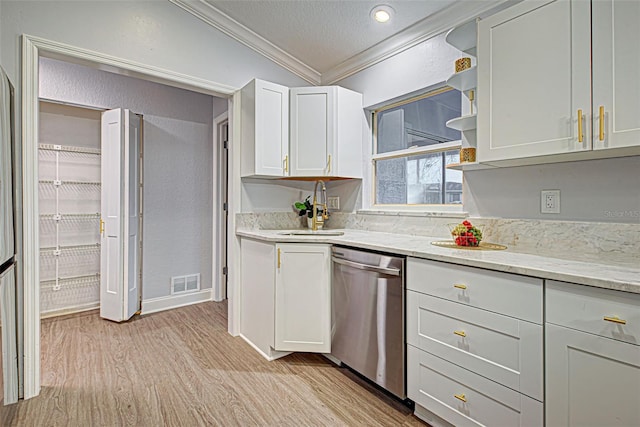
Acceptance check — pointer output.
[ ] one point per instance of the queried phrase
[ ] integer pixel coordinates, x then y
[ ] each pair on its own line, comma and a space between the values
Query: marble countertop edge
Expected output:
622, 278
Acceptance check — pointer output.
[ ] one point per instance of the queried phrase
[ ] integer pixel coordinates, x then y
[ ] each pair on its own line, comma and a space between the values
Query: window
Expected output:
412, 147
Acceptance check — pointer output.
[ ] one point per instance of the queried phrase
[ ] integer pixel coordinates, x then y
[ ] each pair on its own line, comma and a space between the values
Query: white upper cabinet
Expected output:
326, 132
616, 72
537, 66
265, 129
534, 80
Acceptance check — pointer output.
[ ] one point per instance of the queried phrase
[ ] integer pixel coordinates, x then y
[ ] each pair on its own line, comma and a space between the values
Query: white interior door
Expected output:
120, 206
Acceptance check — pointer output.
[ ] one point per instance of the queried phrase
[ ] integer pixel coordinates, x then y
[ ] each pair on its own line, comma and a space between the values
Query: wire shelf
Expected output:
69, 149
87, 216
52, 182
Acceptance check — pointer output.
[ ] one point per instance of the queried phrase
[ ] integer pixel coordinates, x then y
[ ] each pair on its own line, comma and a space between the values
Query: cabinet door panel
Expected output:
312, 130
590, 380
303, 298
256, 294
533, 77
272, 133
616, 67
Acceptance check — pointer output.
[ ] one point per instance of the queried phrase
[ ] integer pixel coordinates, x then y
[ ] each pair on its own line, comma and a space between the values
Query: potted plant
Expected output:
305, 208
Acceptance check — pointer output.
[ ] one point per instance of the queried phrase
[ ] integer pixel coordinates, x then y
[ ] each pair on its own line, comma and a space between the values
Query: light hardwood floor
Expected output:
182, 368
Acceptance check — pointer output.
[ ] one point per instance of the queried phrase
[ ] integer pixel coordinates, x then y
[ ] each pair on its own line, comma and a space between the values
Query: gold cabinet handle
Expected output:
329, 164
101, 226
460, 397
601, 123
460, 286
580, 134
615, 319
278, 257
461, 333
286, 163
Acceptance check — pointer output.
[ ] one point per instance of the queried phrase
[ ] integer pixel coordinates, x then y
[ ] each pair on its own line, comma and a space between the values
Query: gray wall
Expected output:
598, 190
177, 193
155, 33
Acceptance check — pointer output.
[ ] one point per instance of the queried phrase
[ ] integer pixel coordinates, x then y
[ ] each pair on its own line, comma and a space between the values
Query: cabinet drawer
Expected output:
434, 383
501, 348
509, 294
604, 312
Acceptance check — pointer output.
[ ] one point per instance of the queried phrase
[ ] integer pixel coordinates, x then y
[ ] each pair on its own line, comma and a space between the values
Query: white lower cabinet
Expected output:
285, 297
461, 397
473, 358
592, 356
505, 349
303, 298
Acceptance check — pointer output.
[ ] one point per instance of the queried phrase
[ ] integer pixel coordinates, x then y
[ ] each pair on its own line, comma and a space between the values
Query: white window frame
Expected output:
455, 210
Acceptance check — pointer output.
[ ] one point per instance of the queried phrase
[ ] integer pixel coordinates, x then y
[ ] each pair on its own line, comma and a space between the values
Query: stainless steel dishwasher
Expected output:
368, 316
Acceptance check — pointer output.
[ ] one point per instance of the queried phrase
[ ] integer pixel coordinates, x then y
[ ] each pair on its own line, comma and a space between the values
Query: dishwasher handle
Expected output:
367, 267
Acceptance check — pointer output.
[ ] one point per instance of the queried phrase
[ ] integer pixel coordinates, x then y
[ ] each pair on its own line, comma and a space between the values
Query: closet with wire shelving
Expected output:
69, 206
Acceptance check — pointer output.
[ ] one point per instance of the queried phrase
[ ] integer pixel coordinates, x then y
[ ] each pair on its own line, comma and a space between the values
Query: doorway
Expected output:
34, 49
71, 189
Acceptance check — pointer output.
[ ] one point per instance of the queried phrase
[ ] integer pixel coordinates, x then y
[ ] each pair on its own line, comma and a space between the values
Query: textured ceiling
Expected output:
325, 33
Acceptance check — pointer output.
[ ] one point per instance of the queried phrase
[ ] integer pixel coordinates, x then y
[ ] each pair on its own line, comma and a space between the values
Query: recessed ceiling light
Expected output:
382, 13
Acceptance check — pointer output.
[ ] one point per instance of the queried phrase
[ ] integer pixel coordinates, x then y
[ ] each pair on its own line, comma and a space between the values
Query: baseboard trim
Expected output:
154, 305
274, 354
70, 310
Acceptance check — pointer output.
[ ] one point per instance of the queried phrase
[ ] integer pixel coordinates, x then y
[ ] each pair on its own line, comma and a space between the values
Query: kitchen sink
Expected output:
312, 233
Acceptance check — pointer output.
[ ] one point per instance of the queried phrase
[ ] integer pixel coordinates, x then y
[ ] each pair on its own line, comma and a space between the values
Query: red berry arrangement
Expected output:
466, 234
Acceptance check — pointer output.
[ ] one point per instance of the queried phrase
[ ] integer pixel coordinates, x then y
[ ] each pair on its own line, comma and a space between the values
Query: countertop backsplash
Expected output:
584, 241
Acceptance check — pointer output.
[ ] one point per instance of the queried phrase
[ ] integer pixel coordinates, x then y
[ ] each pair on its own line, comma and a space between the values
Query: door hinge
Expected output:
226, 145
225, 206
224, 270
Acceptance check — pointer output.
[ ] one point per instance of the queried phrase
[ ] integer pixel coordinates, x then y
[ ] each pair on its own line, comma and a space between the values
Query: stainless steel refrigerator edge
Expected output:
7, 245
368, 316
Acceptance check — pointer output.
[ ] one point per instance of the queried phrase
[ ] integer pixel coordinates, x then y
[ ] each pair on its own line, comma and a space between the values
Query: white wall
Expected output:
601, 190
177, 164
262, 195
155, 33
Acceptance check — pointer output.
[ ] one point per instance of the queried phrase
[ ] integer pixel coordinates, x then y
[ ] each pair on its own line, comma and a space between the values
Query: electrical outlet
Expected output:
550, 201
333, 202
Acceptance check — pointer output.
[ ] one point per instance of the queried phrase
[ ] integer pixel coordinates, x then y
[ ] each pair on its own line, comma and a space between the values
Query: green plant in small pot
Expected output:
306, 209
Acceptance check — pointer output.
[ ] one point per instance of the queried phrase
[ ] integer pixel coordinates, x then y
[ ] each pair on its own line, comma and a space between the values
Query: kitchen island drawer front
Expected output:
504, 293
605, 312
501, 348
464, 398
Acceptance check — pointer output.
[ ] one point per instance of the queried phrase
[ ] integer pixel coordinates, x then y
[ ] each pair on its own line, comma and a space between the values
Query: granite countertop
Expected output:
608, 276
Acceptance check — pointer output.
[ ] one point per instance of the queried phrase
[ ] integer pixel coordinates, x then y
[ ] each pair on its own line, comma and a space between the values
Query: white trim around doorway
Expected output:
219, 245
32, 49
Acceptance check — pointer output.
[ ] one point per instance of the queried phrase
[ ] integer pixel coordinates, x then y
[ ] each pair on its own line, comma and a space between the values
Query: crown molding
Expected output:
458, 13
229, 26
450, 17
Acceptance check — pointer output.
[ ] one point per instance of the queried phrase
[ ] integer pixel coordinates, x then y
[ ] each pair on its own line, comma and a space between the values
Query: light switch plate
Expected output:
333, 202
550, 201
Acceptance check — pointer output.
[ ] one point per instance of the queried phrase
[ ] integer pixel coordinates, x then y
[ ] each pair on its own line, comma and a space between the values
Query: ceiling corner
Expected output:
232, 28
450, 17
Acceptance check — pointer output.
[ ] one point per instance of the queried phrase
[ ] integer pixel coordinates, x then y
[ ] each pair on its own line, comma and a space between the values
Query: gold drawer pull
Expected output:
286, 163
615, 319
580, 135
601, 114
101, 226
461, 333
460, 397
460, 286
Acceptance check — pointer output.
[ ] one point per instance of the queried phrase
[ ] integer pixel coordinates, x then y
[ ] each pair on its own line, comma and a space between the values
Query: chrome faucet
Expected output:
325, 212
